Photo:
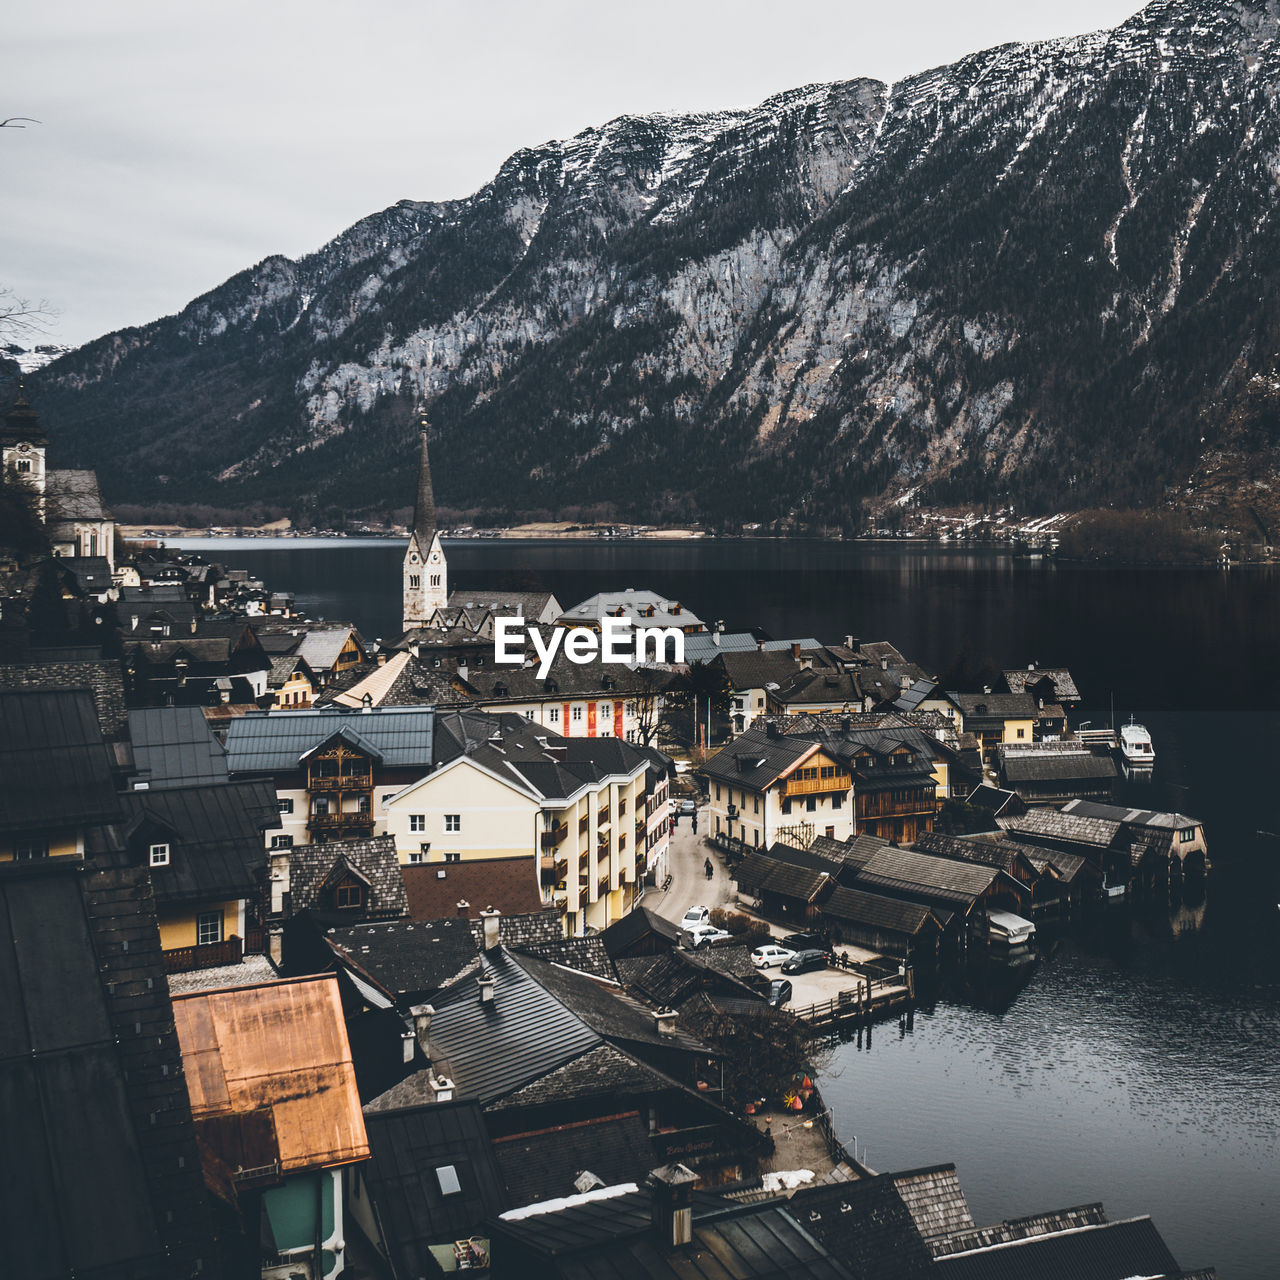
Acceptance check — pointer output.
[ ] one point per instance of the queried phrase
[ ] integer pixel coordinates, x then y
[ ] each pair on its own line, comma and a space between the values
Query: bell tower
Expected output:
426, 574
22, 450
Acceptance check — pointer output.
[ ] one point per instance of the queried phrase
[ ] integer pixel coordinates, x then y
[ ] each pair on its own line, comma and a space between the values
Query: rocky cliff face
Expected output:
1047, 272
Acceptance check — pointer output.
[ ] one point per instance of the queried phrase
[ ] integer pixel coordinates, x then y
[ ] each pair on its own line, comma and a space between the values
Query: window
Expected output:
755, 838
208, 928
415, 581
577, 713
159, 855
417, 822
1022, 733
435, 579
386, 800
606, 709
528, 715
1186, 835
320, 808
553, 715
29, 850
717, 791
286, 806
453, 856
811, 803
786, 806
453, 822
24, 466
418, 857
755, 804
282, 842
837, 802
348, 895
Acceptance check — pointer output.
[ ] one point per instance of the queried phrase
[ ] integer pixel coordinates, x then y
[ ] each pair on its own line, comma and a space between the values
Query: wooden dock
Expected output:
869, 998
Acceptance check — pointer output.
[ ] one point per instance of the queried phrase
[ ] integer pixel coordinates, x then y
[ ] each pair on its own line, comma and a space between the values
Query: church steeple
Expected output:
424, 511
426, 575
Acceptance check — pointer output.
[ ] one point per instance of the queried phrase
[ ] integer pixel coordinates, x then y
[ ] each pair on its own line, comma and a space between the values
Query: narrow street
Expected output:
689, 884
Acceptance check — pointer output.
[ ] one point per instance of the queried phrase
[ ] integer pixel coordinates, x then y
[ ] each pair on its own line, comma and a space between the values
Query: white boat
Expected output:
1012, 930
1136, 751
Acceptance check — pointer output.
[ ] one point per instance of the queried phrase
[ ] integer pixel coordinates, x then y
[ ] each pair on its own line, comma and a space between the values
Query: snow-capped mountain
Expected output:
1047, 271
29, 359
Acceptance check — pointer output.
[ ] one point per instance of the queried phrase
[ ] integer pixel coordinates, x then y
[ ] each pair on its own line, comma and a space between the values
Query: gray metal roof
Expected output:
1129, 817
175, 747
270, 742
492, 1048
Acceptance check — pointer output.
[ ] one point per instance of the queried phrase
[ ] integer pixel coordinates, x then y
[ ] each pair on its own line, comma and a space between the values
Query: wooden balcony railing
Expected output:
209, 955
811, 786
330, 821
555, 837
345, 782
583, 823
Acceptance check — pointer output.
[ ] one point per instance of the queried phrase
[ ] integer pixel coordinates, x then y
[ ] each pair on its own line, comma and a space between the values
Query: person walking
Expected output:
710, 870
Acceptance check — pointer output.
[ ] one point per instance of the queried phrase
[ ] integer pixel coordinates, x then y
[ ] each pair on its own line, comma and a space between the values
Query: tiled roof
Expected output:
1129, 817
865, 1224
903, 869
1049, 824
73, 495
320, 646
754, 760
407, 957
635, 925
376, 685
525, 604
876, 911
543, 1164
586, 955
281, 1048
996, 706
104, 679
934, 1199
1037, 1224
1104, 1251
374, 861
632, 603
603, 1072
991, 853
508, 884
1064, 686
1053, 767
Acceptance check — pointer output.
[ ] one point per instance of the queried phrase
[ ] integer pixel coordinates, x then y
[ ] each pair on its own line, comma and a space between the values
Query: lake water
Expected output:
1137, 1063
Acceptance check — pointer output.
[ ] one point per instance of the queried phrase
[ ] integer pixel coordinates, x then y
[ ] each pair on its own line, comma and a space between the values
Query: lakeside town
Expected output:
403, 960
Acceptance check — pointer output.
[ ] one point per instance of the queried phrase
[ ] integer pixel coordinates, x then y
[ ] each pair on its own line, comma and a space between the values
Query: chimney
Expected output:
986, 688
492, 918
795, 651
464, 909
672, 1210
441, 1088
421, 1015
846, 723
665, 1022
407, 1041
904, 682
884, 662
850, 642
771, 729
715, 638
484, 980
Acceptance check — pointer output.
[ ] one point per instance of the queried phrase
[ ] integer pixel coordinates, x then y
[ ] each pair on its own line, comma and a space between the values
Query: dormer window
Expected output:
349, 895
159, 855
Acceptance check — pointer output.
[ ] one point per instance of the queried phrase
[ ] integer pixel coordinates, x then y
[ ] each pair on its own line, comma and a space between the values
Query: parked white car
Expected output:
695, 915
702, 935
770, 954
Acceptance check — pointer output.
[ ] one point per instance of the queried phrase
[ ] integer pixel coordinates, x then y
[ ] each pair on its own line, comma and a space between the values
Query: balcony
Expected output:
583, 823
811, 786
554, 838
336, 821
209, 955
603, 816
346, 782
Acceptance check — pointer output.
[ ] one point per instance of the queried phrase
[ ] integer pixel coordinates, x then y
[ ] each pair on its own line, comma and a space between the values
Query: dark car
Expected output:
803, 942
779, 992
803, 961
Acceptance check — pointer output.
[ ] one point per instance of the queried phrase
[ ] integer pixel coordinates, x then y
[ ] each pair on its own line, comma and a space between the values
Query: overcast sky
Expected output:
182, 142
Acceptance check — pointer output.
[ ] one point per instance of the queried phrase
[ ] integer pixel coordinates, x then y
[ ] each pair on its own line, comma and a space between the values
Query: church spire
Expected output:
424, 511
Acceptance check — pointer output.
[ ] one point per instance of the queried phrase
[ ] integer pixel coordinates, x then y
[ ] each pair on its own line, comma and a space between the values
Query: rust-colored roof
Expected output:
282, 1048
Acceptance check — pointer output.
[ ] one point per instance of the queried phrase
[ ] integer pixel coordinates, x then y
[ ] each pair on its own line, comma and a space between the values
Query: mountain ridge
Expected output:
1041, 273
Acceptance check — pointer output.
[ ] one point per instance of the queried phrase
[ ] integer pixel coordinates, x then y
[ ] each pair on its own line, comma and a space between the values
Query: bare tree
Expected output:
22, 318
